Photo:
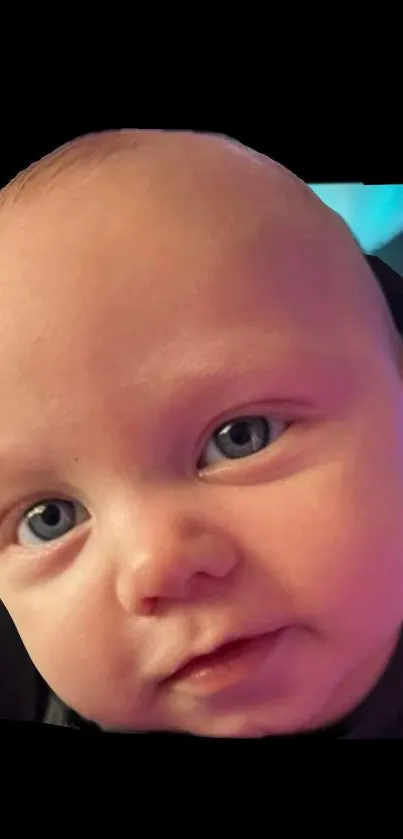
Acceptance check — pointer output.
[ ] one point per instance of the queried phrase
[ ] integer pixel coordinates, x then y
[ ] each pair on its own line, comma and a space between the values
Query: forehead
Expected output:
116, 275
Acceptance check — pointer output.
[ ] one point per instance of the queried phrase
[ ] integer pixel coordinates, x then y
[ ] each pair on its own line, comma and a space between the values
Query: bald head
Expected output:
86, 153
207, 166
195, 194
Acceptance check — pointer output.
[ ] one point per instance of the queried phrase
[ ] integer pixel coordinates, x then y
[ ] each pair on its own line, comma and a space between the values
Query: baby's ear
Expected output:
391, 283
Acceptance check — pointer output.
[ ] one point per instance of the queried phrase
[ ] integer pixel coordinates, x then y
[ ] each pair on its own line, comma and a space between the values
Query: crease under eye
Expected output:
274, 411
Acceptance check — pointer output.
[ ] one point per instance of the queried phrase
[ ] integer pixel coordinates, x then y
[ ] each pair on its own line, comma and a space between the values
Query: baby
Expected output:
201, 446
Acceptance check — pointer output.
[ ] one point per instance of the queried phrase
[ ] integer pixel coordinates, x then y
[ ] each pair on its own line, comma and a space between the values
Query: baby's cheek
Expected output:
344, 559
329, 546
61, 649
74, 648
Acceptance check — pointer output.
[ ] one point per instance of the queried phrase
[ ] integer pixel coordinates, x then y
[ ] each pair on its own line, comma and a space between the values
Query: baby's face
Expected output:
134, 326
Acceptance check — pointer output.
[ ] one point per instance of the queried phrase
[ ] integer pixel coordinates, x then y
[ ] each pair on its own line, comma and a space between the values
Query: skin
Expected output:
152, 286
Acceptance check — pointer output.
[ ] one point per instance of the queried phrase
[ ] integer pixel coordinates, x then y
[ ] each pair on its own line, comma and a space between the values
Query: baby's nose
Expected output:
172, 559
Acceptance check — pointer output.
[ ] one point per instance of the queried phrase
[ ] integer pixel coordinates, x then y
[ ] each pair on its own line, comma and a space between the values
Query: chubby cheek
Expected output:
331, 548
80, 652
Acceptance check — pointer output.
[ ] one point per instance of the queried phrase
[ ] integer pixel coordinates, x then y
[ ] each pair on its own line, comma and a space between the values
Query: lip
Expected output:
227, 665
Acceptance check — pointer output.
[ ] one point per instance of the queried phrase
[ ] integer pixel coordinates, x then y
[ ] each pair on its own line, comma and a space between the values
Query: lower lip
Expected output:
228, 666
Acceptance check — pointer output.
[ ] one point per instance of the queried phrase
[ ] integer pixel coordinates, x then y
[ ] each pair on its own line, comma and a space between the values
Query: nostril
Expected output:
148, 606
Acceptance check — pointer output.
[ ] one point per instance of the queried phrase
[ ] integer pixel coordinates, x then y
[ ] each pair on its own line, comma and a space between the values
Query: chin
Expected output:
247, 731
254, 724
234, 728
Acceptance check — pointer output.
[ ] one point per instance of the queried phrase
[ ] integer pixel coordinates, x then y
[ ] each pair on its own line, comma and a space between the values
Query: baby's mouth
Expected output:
226, 665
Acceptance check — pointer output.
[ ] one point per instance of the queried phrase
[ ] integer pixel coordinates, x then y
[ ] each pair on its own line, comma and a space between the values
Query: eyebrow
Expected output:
246, 383
283, 370
282, 381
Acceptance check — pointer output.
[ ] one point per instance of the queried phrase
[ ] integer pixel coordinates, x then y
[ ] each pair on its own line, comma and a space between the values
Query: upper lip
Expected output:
230, 640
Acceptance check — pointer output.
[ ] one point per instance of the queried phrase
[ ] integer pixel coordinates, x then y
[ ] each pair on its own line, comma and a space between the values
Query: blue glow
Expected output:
374, 213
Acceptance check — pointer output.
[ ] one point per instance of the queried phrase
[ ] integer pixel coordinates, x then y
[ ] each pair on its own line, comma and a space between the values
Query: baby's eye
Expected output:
48, 520
239, 437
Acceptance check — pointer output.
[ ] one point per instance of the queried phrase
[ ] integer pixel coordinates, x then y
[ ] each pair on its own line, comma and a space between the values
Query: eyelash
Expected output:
238, 419
24, 510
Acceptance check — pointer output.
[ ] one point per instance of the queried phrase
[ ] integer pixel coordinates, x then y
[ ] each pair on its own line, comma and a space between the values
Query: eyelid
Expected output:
12, 515
289, 410
280, 409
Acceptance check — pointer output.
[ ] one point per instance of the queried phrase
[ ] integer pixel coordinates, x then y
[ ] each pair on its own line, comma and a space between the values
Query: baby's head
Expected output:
201, 438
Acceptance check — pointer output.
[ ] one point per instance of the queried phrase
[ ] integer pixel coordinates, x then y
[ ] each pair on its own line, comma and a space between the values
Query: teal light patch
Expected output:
374, 213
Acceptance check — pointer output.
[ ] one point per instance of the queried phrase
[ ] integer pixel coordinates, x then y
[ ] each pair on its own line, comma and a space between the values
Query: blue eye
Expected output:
49, 520
237, 438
